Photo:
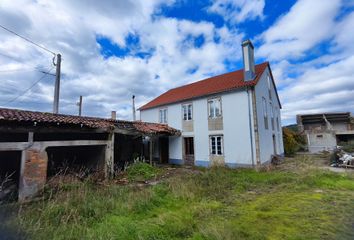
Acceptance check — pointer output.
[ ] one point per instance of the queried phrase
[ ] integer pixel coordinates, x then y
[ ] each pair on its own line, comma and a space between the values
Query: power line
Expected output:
28, 40
25, 70
28, 89
17, 60
17, 70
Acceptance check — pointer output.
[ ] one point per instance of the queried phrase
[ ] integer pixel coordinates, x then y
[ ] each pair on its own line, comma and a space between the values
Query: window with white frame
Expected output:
272, 115
214, 108
163, 115
265, 113
187, 111
216, 145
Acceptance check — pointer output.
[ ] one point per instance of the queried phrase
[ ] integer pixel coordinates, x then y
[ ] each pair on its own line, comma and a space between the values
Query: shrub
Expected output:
141, 171
292, 141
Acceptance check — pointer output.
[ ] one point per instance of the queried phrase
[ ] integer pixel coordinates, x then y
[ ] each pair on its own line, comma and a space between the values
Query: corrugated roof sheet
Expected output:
217, 84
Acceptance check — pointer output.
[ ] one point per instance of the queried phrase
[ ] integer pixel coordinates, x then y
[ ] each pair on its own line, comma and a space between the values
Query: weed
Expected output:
286, 203
141, 171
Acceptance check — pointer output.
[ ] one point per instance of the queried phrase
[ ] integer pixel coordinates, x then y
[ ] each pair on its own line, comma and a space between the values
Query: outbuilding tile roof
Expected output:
23, 117
155, 128
213, 85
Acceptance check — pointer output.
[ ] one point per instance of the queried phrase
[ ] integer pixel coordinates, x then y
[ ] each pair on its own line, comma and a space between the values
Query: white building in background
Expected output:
232, 119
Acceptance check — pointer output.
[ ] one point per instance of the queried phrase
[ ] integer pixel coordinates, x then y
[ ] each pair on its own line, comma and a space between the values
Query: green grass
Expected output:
218, 203
141, 171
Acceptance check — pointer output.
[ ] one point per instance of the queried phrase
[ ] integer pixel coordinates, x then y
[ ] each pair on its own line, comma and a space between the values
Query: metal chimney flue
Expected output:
248, 60
133, 108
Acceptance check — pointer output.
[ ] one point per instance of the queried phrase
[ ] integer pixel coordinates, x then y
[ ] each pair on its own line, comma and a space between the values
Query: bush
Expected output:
141, 171
293, 141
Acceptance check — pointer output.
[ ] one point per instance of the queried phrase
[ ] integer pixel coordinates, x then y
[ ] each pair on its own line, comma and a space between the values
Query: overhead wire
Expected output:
17, 70
28, 89
17, 60
28, 40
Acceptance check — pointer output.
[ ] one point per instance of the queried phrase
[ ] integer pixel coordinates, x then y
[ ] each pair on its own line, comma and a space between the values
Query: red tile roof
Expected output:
217, 84
155, 128
22, 117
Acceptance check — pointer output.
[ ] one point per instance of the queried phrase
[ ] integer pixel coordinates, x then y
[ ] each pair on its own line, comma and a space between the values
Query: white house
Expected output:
232, 119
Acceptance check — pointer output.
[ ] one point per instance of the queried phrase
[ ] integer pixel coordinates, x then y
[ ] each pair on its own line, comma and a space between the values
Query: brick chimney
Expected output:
114, 115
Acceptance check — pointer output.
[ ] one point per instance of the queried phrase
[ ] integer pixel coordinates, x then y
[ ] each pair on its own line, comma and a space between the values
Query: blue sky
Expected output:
114, 49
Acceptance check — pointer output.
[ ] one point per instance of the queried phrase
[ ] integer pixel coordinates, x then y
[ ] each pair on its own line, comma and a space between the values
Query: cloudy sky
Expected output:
114, 49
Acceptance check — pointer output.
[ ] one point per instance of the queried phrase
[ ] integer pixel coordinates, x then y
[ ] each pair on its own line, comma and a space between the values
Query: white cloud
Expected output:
344, 34
237, 11
312, 84
71, 28
306, 24
322, 89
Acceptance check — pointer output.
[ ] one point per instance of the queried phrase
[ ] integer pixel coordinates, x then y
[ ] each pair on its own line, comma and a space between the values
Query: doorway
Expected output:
274, 145
10, 170
164, 153
188, 152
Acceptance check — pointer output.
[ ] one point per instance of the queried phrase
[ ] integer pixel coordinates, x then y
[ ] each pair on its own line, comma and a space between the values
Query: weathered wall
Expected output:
266, 135
33, 172
324, 141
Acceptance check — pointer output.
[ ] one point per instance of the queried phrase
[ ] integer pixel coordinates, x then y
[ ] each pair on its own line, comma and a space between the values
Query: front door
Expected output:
274, 145
164, 149
188, 151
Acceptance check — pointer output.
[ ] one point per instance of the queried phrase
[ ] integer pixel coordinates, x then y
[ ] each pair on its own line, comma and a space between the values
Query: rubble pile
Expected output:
342, 158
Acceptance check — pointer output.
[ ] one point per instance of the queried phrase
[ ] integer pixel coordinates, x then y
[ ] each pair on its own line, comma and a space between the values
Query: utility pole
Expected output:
57, 85
80, 105
133, 106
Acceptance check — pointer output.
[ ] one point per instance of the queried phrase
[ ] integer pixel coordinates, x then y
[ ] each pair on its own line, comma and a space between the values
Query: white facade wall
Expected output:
236, 129
238, 133
266, 135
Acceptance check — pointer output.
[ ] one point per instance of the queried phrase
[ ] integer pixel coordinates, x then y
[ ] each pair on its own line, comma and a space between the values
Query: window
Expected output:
265, 114
189, 146
278, 126
214, 108
187, 111
269, 87
163, 115
272, 115
216, 145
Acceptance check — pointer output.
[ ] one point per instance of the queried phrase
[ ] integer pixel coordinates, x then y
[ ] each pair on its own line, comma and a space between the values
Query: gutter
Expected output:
250, 123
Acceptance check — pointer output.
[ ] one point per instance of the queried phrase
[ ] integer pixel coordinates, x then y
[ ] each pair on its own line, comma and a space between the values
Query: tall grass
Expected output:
217, 203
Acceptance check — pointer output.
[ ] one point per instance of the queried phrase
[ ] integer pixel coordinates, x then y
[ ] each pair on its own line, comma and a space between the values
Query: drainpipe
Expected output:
250, 123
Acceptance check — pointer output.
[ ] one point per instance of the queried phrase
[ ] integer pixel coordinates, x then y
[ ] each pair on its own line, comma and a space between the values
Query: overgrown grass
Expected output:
217, 203
141, 171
